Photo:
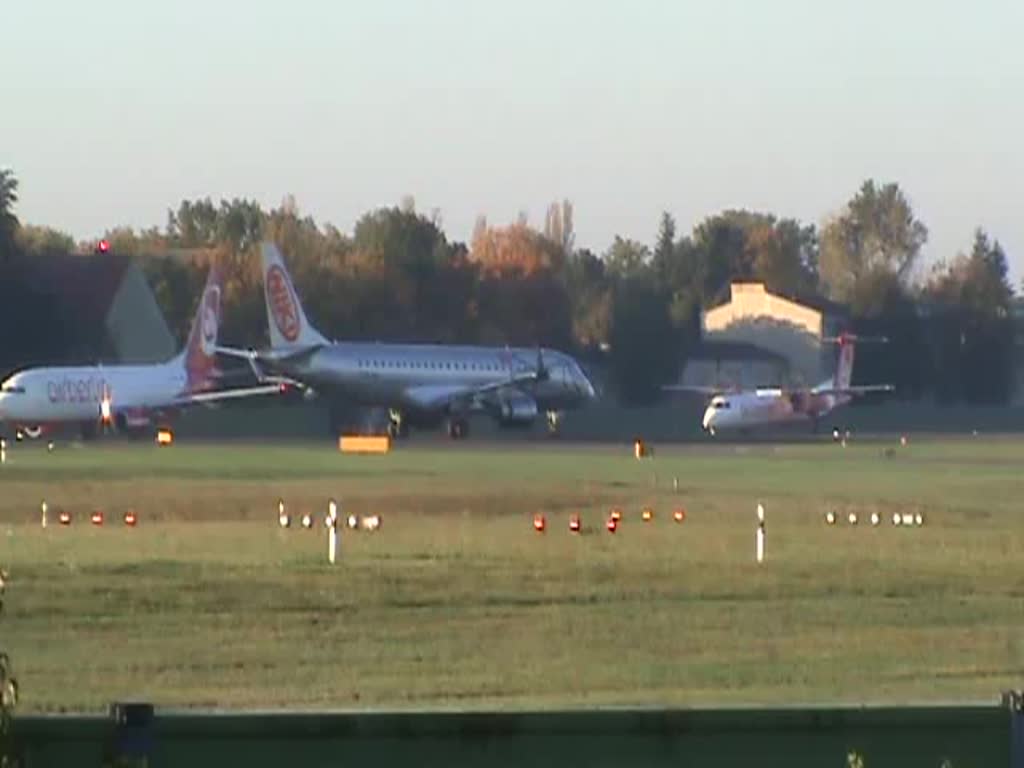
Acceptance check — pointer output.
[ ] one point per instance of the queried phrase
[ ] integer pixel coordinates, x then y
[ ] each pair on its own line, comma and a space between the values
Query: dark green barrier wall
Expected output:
898, 737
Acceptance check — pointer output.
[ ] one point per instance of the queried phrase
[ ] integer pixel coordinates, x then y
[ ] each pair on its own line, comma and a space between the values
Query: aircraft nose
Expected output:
709, 418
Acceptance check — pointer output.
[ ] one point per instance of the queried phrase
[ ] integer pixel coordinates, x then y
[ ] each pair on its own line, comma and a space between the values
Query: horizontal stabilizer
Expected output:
867, 389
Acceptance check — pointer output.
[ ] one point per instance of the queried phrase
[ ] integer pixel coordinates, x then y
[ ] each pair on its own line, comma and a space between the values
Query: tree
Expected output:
627, 258
877, 232
558, 227
175, 284
783, 255
514, 249
891, 311
8, 221
414, 252
589, 288
666, 242
972, 331
40, 241
748, 245
645, 350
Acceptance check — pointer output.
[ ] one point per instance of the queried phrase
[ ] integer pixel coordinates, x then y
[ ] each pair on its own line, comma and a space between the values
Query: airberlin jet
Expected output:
420, 384
125, 397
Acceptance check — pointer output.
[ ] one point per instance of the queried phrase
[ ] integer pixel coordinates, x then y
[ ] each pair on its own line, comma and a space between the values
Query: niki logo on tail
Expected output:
282, 302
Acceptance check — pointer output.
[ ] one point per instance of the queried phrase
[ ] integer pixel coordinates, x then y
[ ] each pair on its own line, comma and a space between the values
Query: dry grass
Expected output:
457, 602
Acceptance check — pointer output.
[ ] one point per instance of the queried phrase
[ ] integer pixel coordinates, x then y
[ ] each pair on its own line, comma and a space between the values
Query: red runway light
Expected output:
539, 523
65, 518
679, 515
97, 518
130, 518
574, 523
612, 525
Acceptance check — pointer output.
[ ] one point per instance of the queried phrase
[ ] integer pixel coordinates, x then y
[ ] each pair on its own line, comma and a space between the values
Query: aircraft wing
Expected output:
215, 396
435, 396
430, 397
861, 390
289, 354
250, 356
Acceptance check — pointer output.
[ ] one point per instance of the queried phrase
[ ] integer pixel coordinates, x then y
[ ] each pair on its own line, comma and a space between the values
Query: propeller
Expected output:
542, 372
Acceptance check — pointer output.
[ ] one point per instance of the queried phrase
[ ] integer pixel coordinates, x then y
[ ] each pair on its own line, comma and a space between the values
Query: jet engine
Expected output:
135, 421
516, 410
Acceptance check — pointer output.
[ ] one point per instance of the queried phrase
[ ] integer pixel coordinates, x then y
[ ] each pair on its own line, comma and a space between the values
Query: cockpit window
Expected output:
10, 387
720, 404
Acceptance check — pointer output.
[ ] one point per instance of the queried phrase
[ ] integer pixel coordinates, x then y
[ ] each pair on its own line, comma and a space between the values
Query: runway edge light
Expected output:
574, 523
332, 531
539, 523
759, 537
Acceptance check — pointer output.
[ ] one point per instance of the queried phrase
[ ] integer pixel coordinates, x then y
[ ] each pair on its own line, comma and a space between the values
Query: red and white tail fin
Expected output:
285, 317
844, 367
200, 354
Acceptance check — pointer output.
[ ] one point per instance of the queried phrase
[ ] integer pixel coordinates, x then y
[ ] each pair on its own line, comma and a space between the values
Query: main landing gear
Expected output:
398, 426
458, 427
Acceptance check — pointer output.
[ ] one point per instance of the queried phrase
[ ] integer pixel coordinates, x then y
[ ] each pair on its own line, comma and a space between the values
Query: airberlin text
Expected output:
73, 390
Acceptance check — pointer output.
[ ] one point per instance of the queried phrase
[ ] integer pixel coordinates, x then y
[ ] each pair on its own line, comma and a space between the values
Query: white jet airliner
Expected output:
418, 383
125, 397
747, 409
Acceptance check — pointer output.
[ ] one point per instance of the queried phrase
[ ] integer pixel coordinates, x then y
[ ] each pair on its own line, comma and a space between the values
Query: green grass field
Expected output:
457, 602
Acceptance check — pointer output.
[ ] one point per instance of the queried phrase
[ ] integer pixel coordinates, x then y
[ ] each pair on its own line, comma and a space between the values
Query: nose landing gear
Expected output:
554, 422
458, 427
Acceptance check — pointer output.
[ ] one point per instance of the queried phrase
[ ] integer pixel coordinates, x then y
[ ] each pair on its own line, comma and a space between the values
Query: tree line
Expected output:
635, 308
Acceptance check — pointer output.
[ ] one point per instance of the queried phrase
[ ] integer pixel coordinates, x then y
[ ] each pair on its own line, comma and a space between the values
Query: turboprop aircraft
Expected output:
763, 407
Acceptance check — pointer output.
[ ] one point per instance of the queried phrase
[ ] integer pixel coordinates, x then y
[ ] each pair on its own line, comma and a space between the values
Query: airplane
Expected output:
420, 384
746, 409
125, 398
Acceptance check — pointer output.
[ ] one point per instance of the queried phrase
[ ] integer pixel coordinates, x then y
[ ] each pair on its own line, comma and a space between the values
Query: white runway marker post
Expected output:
332, 532
43, 509
759, 541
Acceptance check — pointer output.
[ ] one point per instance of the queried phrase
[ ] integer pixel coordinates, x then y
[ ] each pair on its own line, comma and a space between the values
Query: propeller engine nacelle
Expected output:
517, 410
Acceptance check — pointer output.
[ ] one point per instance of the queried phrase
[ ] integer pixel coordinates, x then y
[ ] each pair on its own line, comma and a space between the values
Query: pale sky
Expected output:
115, 110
